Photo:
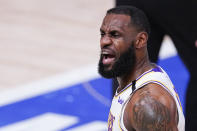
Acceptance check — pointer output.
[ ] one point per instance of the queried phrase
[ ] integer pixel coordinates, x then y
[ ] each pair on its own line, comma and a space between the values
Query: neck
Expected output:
142, 64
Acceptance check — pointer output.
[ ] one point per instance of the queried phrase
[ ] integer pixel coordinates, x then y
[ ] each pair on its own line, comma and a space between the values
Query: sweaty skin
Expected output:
151, 108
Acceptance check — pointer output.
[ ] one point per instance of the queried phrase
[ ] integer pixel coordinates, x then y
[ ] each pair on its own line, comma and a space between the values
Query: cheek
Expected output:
118, 45
121, 46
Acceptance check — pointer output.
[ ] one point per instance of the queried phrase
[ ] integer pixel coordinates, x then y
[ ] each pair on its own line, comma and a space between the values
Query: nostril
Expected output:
196, 43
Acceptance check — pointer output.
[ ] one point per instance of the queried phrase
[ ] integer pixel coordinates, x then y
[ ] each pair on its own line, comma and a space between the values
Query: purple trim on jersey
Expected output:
156, 69
121, 128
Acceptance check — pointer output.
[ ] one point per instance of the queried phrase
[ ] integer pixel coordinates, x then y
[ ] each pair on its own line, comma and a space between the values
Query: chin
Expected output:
108, 67
105, 71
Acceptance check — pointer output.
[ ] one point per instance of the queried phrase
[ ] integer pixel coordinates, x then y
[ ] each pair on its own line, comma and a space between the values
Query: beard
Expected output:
122, 66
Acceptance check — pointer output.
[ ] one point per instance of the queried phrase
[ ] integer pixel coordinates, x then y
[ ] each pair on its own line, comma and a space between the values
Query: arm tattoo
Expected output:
151, 115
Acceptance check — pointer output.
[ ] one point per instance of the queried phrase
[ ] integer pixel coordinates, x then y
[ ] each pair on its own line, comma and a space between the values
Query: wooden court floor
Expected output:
42, 38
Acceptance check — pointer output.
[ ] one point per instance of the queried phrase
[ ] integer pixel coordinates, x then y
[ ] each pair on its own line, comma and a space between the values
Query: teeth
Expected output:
105, 53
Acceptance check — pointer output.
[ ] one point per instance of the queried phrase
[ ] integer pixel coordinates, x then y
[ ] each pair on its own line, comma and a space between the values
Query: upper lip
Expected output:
107, 52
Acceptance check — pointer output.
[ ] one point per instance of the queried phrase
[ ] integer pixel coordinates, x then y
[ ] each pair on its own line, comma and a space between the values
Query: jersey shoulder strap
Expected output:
158, 76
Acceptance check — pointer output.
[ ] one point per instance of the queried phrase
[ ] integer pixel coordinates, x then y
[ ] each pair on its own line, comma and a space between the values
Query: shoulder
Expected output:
152, 107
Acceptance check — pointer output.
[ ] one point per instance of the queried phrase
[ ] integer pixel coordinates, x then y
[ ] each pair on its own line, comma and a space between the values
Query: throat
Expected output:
126, 80
123, 84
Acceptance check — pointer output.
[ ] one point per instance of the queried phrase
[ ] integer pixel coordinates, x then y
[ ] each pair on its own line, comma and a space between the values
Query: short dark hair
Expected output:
138, 18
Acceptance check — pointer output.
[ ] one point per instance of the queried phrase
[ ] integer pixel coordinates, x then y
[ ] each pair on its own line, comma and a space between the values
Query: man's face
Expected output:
117, 46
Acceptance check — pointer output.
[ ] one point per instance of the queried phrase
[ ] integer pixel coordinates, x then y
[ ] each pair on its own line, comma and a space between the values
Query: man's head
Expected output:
124, 33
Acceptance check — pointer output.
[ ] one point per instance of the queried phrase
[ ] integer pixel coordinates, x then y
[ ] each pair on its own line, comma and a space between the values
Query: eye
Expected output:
102, 33
115, 34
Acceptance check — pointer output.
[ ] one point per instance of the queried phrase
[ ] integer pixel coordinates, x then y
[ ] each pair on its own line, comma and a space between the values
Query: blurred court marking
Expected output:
49, 84
45, 122
98, 96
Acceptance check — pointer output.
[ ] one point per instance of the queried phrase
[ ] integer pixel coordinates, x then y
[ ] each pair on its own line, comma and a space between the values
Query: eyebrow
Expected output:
119, 29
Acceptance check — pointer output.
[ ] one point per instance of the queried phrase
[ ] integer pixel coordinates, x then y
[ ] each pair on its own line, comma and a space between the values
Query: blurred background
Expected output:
49, 50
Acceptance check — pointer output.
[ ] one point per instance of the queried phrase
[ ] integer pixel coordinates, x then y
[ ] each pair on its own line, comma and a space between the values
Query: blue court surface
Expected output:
80, 107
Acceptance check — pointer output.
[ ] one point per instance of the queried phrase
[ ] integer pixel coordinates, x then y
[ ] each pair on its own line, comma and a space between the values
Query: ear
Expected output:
141, 40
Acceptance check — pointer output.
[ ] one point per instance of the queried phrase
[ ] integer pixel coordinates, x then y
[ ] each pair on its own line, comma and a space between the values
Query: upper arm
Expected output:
152, 110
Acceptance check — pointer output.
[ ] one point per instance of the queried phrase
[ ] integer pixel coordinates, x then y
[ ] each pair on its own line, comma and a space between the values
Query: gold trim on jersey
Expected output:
119, 122
179, 101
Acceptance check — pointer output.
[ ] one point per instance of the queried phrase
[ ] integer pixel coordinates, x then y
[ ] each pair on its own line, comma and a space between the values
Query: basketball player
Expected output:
178, 20
145, 99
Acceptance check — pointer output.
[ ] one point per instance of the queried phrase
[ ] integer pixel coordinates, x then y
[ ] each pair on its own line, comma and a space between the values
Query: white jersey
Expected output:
156, 75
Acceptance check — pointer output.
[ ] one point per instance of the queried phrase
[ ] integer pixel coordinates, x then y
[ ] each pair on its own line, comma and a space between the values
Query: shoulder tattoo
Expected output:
150, 115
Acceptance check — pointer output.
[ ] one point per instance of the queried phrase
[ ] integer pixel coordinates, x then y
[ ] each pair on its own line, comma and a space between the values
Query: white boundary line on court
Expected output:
53, 83
44, 122
66, 79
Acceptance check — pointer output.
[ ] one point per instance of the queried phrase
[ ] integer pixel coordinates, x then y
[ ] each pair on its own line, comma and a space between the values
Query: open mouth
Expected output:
108, 58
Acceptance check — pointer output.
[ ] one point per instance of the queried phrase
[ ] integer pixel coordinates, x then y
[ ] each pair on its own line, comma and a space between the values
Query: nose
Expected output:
105, 41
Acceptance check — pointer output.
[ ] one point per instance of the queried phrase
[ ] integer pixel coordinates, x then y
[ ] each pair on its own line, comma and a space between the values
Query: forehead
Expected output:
116, 21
